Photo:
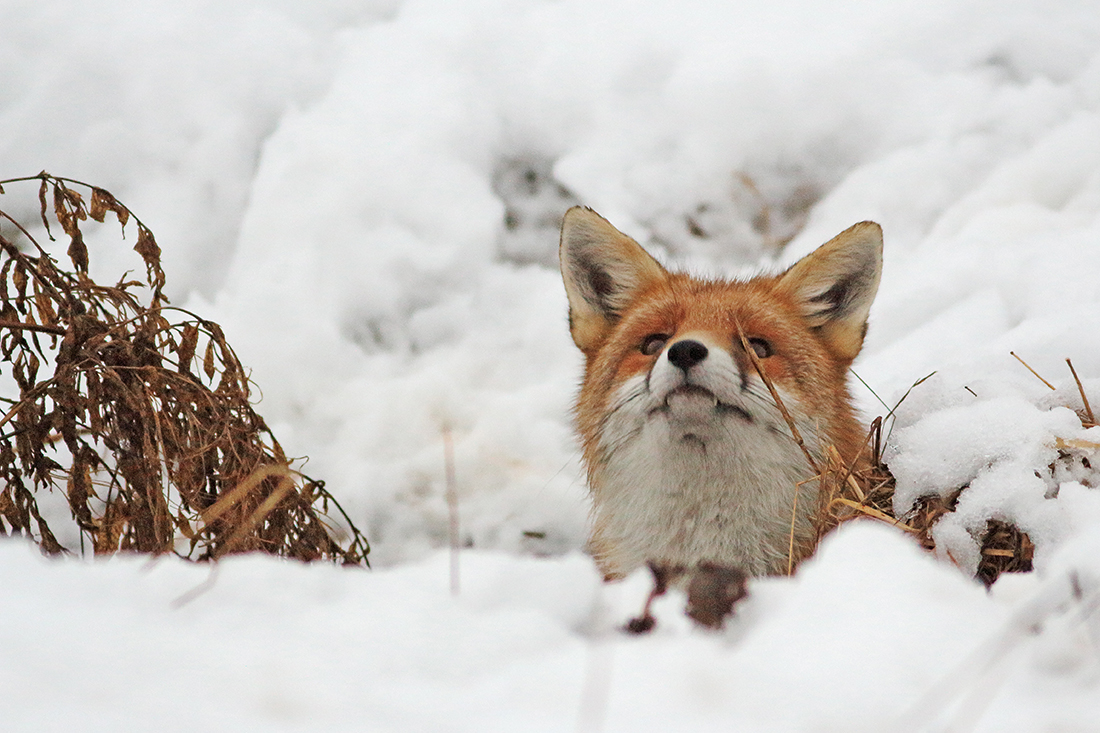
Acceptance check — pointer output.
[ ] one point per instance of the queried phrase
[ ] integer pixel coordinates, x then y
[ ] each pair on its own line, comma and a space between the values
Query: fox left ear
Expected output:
836, 284
604, 271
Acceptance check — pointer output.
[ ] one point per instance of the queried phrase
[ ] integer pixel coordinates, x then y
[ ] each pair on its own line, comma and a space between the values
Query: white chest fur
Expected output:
698, 466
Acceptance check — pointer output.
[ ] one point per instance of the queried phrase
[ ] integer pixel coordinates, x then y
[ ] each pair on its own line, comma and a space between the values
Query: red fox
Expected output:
689, 458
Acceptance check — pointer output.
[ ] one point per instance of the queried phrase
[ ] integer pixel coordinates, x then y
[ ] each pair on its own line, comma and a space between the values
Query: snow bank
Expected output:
874, 635
166, 106
400, 299
1016, 461
364, 195
366, 199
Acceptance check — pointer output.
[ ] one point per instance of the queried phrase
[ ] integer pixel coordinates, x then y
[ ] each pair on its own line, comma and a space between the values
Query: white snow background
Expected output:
365, 196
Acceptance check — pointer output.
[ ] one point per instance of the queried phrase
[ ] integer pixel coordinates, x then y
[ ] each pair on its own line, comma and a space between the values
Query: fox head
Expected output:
690, 458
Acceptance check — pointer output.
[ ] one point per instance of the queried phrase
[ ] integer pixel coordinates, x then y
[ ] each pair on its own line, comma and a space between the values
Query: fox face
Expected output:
690, 456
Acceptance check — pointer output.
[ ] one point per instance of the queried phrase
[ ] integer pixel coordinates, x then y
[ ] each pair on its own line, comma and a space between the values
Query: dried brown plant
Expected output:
864, 489
139, 413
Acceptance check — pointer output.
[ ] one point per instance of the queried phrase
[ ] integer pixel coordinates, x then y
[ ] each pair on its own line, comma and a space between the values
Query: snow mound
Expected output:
363, 195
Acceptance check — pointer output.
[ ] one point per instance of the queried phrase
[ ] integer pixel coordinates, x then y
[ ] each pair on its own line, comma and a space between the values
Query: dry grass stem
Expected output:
452, 506
790, 539
791, 559
778, 401
1028, 367
1064, 444
1084, 398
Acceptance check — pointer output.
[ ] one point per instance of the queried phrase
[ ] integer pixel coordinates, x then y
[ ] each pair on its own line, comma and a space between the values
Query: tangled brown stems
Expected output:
143, 423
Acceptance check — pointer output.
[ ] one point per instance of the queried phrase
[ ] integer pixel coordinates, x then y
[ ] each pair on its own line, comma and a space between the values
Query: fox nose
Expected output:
687, 353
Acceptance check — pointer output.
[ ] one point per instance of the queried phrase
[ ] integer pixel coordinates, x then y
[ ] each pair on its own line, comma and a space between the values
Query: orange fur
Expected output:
691, 461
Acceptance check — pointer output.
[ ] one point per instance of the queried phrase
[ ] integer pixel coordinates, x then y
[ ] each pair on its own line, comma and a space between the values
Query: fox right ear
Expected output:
603, 270
835, 285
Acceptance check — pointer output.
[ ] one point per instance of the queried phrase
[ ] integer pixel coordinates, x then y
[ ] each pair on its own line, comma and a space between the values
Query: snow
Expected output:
331, 182
873, 635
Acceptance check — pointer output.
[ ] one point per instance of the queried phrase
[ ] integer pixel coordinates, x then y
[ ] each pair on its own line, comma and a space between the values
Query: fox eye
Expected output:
760, 347
653, 343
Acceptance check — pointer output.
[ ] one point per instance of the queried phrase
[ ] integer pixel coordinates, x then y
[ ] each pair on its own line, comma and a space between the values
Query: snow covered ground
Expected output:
364, 195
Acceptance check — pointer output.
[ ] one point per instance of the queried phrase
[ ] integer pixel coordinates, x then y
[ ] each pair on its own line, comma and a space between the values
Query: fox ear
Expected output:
835, 285
603, 270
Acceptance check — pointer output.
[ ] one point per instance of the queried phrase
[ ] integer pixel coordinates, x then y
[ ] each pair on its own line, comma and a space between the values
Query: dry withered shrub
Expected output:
142, 422
1005, 549
867, 490
864, 488
851, 493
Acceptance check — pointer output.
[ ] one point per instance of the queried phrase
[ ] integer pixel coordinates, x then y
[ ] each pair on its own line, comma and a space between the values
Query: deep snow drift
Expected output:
365, 196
